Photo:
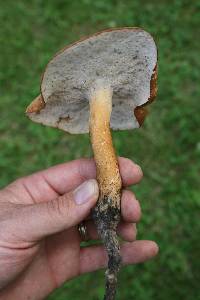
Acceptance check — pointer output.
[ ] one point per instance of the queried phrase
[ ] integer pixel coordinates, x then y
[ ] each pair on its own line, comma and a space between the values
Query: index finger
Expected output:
62, 178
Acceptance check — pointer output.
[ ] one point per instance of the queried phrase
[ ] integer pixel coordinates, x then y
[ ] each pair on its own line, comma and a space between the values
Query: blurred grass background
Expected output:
167, 147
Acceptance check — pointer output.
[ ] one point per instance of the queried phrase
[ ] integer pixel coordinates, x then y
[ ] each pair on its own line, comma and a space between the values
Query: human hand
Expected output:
39, 240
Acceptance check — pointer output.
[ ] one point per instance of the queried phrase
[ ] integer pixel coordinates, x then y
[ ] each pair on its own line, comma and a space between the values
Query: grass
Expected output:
167, 147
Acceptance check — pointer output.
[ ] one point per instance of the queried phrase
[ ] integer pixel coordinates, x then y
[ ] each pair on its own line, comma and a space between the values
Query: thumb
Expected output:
50, 217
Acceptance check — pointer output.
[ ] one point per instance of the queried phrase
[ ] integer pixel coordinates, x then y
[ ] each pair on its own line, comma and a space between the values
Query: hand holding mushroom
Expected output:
40, 244
101, 82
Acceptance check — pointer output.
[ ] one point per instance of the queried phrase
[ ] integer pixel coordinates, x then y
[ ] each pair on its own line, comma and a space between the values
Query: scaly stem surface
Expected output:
106, 213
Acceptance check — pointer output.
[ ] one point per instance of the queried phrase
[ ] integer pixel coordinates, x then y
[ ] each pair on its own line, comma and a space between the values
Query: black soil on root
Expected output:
106, 217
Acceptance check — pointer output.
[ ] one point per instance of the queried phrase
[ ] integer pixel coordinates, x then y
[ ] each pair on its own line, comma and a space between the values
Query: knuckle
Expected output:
85, 168
60, 207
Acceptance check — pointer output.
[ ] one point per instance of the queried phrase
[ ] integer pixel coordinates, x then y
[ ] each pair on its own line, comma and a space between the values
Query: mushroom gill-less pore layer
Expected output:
126, 58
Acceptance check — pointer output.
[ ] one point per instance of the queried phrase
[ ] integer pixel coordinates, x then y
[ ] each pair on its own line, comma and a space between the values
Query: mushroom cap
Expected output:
124, 58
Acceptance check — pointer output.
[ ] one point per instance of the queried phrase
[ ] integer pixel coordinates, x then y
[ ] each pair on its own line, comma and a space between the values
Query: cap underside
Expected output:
125, 59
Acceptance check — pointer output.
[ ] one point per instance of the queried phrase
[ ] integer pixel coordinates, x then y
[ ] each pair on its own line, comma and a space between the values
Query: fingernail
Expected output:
86, 191
135, 229
139, 169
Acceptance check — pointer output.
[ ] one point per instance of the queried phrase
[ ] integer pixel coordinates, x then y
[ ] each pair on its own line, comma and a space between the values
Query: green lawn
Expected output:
167, 147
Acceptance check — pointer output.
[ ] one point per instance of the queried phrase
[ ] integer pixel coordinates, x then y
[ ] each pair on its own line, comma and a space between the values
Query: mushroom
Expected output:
99, 82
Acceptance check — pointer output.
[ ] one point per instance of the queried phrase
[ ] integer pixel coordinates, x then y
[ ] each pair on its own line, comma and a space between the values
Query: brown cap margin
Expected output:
36, 105
141, 111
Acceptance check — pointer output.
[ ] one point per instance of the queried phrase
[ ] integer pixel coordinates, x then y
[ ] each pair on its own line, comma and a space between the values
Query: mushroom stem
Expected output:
106, 213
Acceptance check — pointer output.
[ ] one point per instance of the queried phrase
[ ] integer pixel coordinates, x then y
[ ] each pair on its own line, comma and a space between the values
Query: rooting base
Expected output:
106, 218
